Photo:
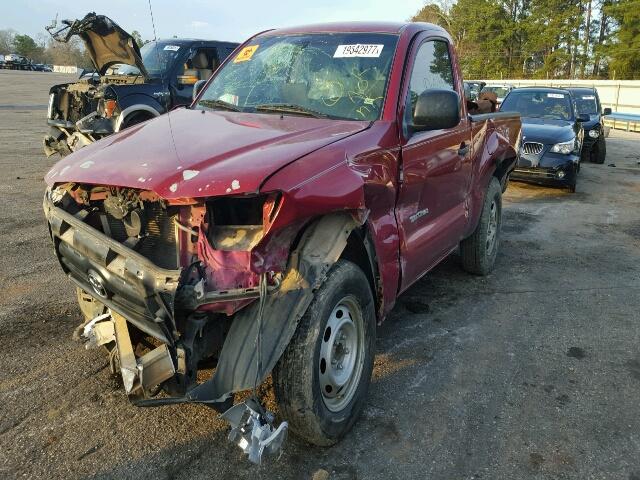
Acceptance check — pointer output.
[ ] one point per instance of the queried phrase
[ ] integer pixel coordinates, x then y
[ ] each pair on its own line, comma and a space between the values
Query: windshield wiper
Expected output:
220, 104
289, 108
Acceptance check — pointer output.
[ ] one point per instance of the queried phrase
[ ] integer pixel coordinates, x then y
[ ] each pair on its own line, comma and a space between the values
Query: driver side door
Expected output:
432, 204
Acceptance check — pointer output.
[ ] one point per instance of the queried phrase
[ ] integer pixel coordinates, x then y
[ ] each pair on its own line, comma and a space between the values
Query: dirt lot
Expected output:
530, 373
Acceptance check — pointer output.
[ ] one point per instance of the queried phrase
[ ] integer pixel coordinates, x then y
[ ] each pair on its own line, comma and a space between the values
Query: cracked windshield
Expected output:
320, 75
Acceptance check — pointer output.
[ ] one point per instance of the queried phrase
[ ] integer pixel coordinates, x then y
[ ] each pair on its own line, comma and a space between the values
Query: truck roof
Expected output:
377, 27
544, 89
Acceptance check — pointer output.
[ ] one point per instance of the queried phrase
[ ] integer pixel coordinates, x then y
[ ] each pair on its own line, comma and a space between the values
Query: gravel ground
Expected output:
531, 373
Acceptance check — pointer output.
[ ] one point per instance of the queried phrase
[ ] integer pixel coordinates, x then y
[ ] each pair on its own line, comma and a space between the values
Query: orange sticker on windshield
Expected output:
246, 53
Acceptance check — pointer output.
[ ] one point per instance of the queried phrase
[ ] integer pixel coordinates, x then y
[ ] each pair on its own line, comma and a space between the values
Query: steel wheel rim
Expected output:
492, 229
341, 354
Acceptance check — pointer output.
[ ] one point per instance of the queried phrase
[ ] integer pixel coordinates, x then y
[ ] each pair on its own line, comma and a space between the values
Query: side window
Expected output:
431, 69
200, 64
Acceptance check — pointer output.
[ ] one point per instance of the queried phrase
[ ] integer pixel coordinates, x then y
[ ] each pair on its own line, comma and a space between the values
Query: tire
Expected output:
134, 119
599, 151
478, 251
311, 363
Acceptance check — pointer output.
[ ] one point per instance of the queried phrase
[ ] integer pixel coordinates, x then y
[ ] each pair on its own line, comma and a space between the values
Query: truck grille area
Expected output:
158, 243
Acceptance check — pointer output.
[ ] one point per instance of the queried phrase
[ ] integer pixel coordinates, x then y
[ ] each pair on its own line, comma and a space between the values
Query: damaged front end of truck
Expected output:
82, 112
170, 287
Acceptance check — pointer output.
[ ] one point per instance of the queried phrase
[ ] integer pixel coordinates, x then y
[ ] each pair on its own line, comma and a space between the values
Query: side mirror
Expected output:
606, 111
436, 109
197, 88
583, 117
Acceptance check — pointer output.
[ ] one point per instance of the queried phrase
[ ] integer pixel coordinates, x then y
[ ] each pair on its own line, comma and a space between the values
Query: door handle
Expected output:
463, 150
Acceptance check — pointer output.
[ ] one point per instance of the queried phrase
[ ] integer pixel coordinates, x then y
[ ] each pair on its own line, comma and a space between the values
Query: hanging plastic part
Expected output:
251, 424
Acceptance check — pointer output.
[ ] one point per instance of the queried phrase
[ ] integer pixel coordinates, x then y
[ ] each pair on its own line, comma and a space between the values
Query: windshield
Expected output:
158, 57
500, 92
551, 105
586, 104
341, 75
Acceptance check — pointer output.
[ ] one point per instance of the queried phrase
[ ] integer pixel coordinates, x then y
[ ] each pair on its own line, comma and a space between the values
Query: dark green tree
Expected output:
624, 50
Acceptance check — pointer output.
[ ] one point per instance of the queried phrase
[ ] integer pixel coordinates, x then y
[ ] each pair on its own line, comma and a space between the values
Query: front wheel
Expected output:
599, 151
479, 250
322, 379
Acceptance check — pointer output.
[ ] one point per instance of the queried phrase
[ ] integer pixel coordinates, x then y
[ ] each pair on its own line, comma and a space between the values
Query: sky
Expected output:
213, 20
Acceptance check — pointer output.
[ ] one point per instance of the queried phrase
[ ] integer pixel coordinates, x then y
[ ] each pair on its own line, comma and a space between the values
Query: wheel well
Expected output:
359, 250
501, 171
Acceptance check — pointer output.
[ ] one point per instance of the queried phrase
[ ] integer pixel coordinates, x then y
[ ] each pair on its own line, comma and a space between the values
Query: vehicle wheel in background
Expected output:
599, 152
321, 380
135, 118
479, 250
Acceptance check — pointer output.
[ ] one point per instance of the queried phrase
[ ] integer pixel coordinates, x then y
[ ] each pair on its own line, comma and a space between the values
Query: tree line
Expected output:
44, 49
570, 39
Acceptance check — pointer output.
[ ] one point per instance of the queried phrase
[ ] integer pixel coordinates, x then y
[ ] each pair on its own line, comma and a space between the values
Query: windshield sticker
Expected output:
555, 95
229, 98
246, 53
589, 97
358, 50
172, 48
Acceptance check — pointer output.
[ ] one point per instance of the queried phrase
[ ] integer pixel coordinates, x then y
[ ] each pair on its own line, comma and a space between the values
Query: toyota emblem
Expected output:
96, 283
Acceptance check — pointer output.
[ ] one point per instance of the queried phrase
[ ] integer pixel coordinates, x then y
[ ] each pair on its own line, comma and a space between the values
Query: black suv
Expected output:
130, 85
594, 147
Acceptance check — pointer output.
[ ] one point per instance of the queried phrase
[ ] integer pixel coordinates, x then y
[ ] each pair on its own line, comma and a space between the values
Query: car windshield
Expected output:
539, 104
158, 57
500, 92
586, 104
341, 75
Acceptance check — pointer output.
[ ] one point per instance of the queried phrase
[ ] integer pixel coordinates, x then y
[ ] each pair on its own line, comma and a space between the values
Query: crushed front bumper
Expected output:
123, 280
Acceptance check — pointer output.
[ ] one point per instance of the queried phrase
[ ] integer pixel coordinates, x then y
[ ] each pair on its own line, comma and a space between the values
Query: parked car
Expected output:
271, 225
552, 135
130, 85
15, 61
501, 90
587, 101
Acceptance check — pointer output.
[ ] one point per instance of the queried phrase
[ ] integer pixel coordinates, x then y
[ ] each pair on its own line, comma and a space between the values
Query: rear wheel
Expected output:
479, 250
322, 379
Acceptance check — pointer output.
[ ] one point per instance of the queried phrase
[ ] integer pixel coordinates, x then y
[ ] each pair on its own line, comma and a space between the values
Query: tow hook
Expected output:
253, 431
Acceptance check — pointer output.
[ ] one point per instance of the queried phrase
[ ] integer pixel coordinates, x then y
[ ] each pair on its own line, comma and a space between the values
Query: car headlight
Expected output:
594, 133
564, 148
50, 106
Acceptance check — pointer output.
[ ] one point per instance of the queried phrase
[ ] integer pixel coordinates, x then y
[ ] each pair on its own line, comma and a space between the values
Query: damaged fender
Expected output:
320, 247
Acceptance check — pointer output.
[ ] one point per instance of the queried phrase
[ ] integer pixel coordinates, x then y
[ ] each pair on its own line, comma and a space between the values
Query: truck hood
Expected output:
546, 131
106, 42
193, 153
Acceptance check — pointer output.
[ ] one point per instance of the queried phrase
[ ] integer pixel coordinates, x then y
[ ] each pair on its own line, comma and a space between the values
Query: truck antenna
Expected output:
153, 24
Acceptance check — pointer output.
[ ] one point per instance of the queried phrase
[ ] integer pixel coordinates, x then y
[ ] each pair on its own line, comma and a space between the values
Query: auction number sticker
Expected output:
358, 50
555, 95
589, 97
173, 48
246, 53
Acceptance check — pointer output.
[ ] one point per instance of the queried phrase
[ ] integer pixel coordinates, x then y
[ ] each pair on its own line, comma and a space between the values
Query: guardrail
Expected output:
623, 121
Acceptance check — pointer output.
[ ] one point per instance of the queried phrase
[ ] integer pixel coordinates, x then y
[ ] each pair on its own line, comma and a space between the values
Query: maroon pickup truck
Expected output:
267, 228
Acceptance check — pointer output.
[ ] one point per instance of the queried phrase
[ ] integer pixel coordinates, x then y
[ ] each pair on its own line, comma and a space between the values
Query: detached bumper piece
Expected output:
139, 375
252, 430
